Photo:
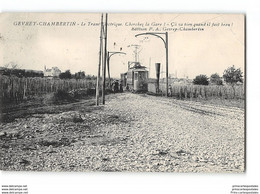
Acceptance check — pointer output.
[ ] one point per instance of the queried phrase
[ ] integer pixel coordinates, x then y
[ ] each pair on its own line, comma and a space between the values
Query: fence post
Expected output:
185, 92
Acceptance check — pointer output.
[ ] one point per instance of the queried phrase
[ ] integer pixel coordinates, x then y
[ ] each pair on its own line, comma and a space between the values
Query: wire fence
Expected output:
16, 89
214, 91
185, 91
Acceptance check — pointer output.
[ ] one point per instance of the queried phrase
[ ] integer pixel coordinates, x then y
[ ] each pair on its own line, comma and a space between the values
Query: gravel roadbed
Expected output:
132, 132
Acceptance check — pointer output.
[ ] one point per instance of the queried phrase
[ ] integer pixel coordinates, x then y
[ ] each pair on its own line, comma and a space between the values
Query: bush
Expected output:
58, 97
201, 80
216, 79
61, 96
232, 75
80, 75
65, 75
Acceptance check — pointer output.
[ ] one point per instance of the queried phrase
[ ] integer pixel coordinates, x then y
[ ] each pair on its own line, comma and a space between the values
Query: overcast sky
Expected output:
76, 47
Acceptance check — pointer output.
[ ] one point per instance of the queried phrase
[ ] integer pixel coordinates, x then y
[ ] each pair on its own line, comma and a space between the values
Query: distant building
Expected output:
53, 72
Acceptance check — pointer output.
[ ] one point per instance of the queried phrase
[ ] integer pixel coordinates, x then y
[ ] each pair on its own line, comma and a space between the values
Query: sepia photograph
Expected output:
122, 92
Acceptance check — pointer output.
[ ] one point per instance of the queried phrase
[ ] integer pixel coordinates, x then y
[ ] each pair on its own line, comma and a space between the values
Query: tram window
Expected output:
141, 75
136, 76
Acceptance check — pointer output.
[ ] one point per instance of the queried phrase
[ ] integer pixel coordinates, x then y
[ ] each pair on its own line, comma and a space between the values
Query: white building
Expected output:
53, 72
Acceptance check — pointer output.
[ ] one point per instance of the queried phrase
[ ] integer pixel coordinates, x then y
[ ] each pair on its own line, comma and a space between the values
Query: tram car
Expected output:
136, 78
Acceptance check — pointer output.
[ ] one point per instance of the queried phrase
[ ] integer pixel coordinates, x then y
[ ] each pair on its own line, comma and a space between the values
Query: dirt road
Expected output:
132, 132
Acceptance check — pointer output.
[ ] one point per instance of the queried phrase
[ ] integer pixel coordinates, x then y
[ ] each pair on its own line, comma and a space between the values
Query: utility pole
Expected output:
165, 41
104, 64
108, 70
136, 52
109, 55
100, 60
166, 47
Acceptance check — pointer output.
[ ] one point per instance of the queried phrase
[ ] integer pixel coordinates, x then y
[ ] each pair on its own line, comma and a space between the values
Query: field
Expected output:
14, 89
185, 91
212, 91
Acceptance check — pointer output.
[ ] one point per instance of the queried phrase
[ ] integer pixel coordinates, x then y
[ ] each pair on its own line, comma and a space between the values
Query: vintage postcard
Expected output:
122, 92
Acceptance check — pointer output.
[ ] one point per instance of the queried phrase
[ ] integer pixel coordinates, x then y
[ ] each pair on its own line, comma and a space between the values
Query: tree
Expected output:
80, 75
12, 65
201, 80
65, 75
232, 75
216, 79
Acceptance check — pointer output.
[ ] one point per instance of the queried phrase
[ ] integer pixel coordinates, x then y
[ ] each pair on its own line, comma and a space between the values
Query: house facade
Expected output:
53, 72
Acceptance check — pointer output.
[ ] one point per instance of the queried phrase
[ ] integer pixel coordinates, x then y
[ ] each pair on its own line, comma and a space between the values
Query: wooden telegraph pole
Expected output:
100, 60
166, 47
104, 64
108, 70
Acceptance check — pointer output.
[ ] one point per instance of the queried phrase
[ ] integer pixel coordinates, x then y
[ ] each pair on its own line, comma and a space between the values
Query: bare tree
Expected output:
12, 65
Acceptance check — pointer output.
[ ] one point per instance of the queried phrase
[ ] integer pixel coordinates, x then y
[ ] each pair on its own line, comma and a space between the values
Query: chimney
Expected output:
157, 68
